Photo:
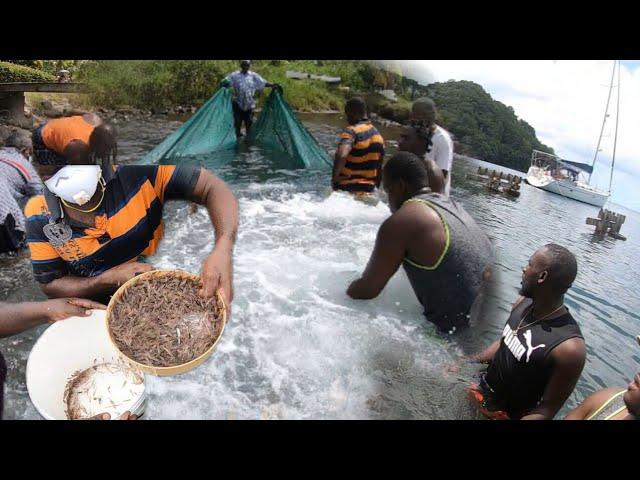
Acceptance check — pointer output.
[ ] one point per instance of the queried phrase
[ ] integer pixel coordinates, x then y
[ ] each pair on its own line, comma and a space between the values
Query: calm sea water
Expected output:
298, 347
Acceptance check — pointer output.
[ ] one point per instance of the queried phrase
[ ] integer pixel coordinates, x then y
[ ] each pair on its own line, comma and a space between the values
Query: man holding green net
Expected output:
245, 84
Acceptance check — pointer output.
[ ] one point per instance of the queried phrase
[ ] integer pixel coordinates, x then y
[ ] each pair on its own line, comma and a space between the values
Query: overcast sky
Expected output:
564, 101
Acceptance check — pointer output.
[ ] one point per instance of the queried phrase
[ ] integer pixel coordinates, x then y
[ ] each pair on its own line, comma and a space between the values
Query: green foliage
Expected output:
12, 72
485, 128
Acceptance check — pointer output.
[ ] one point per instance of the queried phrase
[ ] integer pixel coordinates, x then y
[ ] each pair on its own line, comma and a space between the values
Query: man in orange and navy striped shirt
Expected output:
358, 162
122, 223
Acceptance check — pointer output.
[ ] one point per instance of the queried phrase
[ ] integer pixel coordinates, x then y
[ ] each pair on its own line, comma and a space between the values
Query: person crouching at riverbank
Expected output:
445, 254
94, 224
535, 365
75, 139
18, 182
357, 165
439, 144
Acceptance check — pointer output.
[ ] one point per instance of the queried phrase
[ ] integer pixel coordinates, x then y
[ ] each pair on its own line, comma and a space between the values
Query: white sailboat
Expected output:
571, 179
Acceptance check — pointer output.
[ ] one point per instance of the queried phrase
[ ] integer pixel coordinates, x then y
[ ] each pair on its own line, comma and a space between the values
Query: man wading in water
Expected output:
245, 84
443, 251
438, 140
92, 226
358, 160
416, 140
536, 364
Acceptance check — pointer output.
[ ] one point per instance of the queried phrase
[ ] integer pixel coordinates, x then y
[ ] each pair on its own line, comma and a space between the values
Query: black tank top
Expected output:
518, 374
449, 289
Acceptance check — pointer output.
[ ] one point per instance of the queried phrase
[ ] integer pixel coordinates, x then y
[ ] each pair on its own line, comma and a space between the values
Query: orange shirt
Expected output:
58, 133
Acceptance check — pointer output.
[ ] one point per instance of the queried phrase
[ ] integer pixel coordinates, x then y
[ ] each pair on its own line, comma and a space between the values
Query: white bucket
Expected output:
64, 348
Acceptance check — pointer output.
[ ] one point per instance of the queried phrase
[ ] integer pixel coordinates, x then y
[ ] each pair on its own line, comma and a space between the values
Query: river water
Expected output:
298, 348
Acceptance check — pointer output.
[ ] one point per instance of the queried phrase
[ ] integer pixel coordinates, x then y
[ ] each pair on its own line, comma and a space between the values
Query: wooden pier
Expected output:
608, 222
501, 182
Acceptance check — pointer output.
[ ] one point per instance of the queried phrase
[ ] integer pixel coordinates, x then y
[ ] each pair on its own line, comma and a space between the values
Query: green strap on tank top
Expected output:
446, 231
606, 404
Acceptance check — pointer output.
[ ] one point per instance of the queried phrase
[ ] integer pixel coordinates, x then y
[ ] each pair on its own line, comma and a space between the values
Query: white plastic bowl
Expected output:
64, 348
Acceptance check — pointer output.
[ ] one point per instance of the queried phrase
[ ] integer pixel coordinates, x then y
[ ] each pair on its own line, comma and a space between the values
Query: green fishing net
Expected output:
279, 130
209, 130
209, 138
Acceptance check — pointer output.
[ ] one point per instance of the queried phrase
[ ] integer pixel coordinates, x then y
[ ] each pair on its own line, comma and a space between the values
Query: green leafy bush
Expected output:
12, 72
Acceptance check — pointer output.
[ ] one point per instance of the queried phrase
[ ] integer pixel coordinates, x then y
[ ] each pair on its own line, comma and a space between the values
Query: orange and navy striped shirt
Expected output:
128, 223
364, 162
58, 133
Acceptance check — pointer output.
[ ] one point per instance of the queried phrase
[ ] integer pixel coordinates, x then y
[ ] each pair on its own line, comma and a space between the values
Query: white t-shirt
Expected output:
442, 153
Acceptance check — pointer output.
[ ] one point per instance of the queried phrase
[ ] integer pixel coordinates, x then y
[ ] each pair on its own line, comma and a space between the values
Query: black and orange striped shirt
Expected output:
364, 162
128, 223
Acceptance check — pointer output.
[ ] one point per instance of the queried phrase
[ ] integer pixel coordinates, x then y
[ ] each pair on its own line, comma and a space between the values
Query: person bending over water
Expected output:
94, 223
415, 139
75, 139
535, 365
358, 160
16, 318
438, 140
18, 182
446, 256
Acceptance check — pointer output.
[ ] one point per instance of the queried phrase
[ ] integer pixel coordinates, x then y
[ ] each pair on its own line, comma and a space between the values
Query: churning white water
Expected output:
297, 346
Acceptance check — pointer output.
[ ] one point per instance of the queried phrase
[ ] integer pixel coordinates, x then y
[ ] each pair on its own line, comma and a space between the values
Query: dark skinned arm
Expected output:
388, 252
567, 362
590, 404
18, 317
339, 161
90, 287
221, 203
486, 355
437, 180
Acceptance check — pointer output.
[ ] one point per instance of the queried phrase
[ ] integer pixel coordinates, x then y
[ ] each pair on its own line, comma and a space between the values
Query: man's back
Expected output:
364, 162
449, 287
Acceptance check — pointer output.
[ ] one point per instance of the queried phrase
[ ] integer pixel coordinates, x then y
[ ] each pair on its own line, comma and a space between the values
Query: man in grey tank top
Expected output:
446, 256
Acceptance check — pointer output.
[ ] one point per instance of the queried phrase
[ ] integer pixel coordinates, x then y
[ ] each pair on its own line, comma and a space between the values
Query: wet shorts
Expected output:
485, 404
240, 115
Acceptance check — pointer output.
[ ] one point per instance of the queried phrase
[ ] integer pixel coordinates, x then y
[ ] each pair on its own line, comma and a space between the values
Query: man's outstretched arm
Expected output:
387, 256
221, 203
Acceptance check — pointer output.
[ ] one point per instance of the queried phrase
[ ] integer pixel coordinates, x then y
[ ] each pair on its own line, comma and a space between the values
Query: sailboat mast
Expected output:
604, 120
615, 136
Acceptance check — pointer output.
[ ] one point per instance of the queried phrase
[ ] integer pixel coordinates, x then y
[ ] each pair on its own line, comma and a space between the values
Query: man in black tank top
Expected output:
536, 364
445, 254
